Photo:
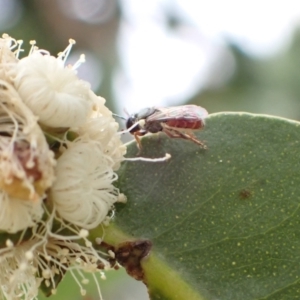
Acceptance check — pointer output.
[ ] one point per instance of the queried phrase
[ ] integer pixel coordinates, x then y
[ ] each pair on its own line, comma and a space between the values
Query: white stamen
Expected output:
111, 253
83, 233
98, 240
9, 243
29, 255
122, 198
79, 62
53, 291
88, 244
65, 54
161, 159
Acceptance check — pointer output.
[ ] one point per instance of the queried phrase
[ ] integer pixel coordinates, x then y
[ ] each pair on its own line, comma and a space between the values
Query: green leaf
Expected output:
224, 222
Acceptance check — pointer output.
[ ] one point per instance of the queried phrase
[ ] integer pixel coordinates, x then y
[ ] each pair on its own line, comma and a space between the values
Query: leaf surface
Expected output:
224, 222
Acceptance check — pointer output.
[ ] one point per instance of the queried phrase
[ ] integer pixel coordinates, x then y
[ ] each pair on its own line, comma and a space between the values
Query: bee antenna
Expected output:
119, 116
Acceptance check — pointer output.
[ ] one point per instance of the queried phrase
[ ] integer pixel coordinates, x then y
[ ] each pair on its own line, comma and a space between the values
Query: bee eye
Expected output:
130, 122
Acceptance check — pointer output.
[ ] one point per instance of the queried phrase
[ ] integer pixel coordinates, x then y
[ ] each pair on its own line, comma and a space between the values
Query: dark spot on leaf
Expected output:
245, 194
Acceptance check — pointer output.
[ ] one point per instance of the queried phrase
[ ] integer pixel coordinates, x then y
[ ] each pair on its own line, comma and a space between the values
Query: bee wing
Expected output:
187, 112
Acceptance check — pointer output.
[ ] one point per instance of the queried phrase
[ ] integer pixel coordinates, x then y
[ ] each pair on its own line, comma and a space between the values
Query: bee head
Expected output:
130, 122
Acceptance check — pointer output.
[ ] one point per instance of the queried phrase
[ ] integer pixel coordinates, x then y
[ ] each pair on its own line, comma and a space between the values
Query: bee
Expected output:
176, 122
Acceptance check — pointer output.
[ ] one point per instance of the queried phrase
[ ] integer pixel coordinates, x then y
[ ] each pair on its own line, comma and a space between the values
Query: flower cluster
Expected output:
59, 150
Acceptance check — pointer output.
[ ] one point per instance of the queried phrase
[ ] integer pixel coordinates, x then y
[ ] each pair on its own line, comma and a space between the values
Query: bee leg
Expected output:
138, 141
173, 133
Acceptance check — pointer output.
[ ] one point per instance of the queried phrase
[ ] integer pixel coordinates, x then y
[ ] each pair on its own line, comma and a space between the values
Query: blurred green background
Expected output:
222, 55
239, 56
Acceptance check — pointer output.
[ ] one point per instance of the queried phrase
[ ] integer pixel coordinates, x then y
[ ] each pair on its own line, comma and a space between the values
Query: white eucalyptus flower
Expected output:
17, 214
45, 258
18, 276
8, 58
102, 127
83, 193
62, 255
52, 91
24, 152
70, 180
26, 163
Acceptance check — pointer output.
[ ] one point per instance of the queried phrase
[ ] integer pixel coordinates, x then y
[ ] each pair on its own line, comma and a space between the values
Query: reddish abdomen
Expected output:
185, 124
